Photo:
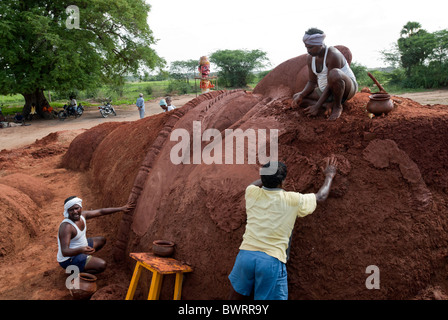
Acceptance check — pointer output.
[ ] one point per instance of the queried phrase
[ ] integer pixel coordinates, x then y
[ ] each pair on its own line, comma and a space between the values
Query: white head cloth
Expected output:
316, 39
70, 204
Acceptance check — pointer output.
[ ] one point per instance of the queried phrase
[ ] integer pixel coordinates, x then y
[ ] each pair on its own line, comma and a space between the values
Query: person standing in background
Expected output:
141, 106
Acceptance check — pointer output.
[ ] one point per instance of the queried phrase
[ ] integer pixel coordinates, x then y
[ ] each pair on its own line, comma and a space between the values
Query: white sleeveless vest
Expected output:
80, 240
322, 76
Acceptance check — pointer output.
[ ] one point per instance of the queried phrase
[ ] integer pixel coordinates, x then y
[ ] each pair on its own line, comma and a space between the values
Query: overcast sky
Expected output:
189, 29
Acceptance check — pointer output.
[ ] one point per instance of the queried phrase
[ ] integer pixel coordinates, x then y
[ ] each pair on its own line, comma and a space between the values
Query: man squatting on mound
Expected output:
331, 81
260, 266
74, 248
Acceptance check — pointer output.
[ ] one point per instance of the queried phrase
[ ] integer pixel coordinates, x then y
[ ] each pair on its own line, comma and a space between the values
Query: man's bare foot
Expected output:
328, 108
336, 113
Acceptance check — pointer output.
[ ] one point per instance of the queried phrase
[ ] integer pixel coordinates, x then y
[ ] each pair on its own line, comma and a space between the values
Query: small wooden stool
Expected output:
159, 266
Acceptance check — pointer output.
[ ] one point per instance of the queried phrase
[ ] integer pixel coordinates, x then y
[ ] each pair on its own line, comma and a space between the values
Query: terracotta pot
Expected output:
87, 286
163, 248
380, 103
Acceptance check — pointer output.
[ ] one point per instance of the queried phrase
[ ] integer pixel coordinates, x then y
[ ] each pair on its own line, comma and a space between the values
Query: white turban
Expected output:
70, 204
316, 39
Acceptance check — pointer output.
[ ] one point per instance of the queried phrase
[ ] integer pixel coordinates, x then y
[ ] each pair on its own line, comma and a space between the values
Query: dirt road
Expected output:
430, 97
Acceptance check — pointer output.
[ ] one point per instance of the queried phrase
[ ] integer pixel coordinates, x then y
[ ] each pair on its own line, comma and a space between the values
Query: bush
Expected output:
397, 77
91, 93
148, 90
429, 77
65, 94
115, 91
11, 110
236, 66
178, 87
360, 72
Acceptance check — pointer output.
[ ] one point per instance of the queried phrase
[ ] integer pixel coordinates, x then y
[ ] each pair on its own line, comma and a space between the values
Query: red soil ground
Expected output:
388, 206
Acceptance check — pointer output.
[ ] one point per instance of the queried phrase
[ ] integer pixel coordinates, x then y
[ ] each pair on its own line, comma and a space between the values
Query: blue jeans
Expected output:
258, 272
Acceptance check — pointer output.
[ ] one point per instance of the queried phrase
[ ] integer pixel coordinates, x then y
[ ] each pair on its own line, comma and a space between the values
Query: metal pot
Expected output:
380, 103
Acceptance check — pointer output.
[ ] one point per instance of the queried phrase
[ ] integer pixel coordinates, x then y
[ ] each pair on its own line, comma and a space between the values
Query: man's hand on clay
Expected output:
128, 207
331, 166
297, 99
312, 110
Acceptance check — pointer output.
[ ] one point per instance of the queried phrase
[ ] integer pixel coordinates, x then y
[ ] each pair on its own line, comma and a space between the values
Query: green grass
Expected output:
394, 89
11, 104
11, 110
400, 90
125, 95
12, 99
150, 88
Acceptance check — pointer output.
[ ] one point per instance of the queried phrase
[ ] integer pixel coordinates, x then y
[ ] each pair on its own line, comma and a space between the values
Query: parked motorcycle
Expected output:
70, 111
107, 109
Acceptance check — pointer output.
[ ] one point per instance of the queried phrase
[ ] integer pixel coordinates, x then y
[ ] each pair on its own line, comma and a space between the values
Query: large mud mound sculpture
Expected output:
78, 157
387, 208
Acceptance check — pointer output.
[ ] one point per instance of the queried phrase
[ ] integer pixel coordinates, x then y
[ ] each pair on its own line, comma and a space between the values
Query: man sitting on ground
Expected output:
74, 248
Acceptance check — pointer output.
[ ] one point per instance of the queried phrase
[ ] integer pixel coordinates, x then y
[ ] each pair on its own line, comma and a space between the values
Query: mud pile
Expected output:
22, 196
20, 199
388, 206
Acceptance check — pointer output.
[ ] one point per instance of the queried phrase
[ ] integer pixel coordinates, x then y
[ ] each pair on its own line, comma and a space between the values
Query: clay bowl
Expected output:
163, 248
87, 286
380, 103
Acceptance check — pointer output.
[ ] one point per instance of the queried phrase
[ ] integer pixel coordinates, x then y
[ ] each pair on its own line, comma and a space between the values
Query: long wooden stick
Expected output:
376, 82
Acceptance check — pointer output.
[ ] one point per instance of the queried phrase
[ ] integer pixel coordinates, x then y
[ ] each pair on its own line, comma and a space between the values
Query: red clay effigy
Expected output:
388, 206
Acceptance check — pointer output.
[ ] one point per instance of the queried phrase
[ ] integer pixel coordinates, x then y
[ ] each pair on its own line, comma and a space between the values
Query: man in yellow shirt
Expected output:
260, 268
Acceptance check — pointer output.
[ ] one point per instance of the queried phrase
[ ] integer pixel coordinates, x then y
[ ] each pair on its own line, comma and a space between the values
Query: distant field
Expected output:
125, 95
122, 95
130, 91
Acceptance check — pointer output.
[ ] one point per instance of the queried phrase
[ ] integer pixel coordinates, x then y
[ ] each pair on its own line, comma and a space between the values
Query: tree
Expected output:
440, 52
47, 44
361, 75
392, 57
410, 29
184, 67
236, 66
422, 58
415, 45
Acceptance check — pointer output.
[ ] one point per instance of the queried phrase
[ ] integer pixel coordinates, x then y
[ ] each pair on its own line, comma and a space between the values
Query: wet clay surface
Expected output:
388, 205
